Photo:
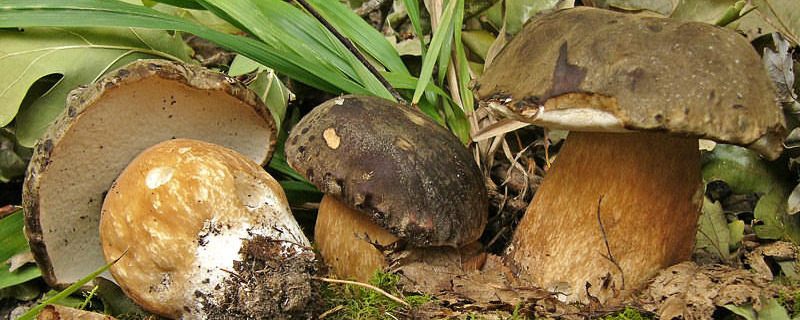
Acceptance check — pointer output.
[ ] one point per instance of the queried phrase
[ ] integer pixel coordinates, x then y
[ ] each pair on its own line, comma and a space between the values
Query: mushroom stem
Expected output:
341, 233
651, 194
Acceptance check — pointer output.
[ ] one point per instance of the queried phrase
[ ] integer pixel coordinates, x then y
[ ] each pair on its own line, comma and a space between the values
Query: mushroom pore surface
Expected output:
103, 127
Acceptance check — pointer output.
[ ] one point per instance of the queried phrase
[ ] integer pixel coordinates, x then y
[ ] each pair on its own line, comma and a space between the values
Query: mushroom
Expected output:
622, 198
203, 232
388, 172
103, 127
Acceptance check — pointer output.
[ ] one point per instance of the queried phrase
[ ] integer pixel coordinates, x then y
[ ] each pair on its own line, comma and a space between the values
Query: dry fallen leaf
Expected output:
688, 291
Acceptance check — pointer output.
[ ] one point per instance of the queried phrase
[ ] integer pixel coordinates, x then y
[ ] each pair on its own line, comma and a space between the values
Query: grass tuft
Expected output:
359, 303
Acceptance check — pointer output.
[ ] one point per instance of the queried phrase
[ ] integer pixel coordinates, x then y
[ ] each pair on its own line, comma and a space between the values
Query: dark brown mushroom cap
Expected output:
647, 73
408, 173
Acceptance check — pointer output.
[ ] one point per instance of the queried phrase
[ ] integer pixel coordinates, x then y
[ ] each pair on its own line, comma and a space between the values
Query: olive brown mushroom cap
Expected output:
103, 127
619, 205
636, 73
201, 231
406, 172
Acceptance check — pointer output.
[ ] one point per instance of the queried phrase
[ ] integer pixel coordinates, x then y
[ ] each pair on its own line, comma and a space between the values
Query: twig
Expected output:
609, 257
329, 312
365, 285
347, 43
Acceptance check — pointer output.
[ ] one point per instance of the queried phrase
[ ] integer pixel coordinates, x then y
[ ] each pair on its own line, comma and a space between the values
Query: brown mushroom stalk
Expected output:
384, 165
340, 226
611, 210
623, 195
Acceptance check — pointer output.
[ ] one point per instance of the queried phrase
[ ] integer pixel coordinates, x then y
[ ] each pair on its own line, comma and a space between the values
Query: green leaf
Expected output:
187, 4
16, 13
775, 223
12, 240
745, 311
290, 30
115, 302
33, 312
361, 33
81, 55
200, 17
736, 229
732, 14
713, 234
19, 276
243, 65
784, 15
708, 11
412, 7
478, 41
444, 32
517, 12
274, 94
772, 310
663, 7
459, 124
741, 168
746, 172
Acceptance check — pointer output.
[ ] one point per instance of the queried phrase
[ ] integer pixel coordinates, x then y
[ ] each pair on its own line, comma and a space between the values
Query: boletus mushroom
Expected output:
203, 232
388, 172
103, 127
622, 198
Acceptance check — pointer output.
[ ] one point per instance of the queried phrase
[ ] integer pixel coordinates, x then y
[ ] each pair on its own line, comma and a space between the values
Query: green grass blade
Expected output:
412, 7
12, 240
21, 13
462, 71
21, 275
33, 312
444, 31
290, 30
186, 4
361, 33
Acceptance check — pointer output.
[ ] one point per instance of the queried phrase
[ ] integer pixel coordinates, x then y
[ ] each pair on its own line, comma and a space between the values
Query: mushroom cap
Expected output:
393, 163
185, 213
103, 127
589, 69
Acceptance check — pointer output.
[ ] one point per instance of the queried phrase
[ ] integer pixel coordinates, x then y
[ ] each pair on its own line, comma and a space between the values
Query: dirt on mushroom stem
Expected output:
269, 284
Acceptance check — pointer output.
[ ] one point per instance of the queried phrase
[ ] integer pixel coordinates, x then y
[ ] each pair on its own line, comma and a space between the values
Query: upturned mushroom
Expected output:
388, 172
622, 198
103, 127
203, 232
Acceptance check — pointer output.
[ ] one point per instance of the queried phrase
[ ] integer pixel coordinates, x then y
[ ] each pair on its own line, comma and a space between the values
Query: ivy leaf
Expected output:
80, 55
713, 233
783, 15
746, 172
